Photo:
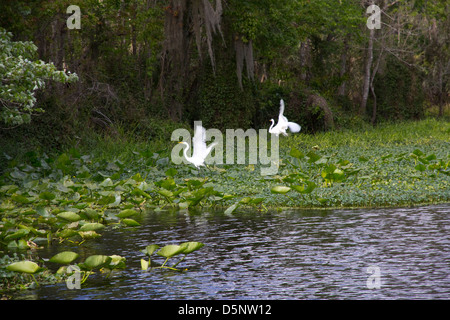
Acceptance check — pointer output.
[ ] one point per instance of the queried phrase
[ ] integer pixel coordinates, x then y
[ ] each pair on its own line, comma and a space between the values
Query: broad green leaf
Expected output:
94, 226
96, 262
24, 267
67, 233
313, 157
20, 244
91, 213
170, 250
150, 249
130, 222
65, 257
363, 159
231, 208
144, 264
47, 196
420, 167
69, 215
308, 188
296, 153
126, 213
106, 200
89, 234
171, 172
256, 200
191, 246
280, 189
107, 183
21, 199
117, 262
165, 193
17, 235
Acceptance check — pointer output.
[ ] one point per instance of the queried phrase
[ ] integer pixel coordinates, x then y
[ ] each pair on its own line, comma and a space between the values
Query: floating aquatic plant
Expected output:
169, 251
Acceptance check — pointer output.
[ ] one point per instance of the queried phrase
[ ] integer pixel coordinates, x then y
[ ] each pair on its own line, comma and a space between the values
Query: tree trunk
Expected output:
343, 69
368, 66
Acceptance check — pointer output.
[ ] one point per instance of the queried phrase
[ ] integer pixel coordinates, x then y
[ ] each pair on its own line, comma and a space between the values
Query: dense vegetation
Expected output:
86, 114
143, 64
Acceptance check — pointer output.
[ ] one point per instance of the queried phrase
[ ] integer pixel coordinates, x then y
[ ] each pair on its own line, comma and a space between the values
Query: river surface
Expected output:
388, 253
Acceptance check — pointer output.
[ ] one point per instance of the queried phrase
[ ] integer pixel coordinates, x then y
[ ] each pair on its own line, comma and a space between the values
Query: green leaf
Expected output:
150, 249
94, 226
310, 186
171, 172
313, 157
130, 222
296, 153
69, 215
89, 234
144, 264
96, 262
24, 267
21, 199
165, 193
280, 189
65, 257
106, 200
420, 167
91, 213
231, 208
117, 262
107, 183
126, 213
191, 246
17, 235
67, 233
47, 196
363, 159
170, 250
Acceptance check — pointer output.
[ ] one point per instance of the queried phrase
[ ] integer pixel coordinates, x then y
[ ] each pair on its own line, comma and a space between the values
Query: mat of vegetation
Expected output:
73, 196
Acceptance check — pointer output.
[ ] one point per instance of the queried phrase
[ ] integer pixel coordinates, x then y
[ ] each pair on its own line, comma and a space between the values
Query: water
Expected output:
296, 254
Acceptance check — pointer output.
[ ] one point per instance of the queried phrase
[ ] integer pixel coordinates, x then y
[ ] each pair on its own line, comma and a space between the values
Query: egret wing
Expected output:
199, 141
294, 127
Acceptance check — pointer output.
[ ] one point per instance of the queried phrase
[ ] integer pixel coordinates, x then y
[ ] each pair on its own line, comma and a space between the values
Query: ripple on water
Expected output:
296, 254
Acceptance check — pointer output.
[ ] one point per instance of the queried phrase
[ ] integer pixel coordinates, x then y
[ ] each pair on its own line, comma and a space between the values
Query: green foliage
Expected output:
74, 197
169, 251
399, 92
21, 75
221, 103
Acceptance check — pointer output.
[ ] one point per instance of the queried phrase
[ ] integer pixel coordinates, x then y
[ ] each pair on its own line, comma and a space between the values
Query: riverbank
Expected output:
72, 196
391, 165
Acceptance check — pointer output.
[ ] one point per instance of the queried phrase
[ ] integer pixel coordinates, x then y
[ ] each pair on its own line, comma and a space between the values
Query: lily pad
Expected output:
131, 222
126, 213
150, 249
170, 250
95, 262
94, 226
280, 189
69, 215
24, 267
65, 257
191, 246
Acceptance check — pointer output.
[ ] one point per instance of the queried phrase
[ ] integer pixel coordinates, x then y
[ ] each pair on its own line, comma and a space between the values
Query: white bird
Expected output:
200, 151
283, 123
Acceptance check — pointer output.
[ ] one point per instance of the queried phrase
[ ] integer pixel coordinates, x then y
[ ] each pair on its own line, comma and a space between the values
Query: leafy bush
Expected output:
21, 75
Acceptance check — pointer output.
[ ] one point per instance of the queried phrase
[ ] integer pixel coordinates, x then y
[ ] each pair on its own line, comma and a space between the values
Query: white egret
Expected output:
200, 151
283, 123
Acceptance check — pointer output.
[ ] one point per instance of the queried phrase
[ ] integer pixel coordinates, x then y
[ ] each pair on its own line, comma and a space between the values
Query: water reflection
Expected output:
295, 254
